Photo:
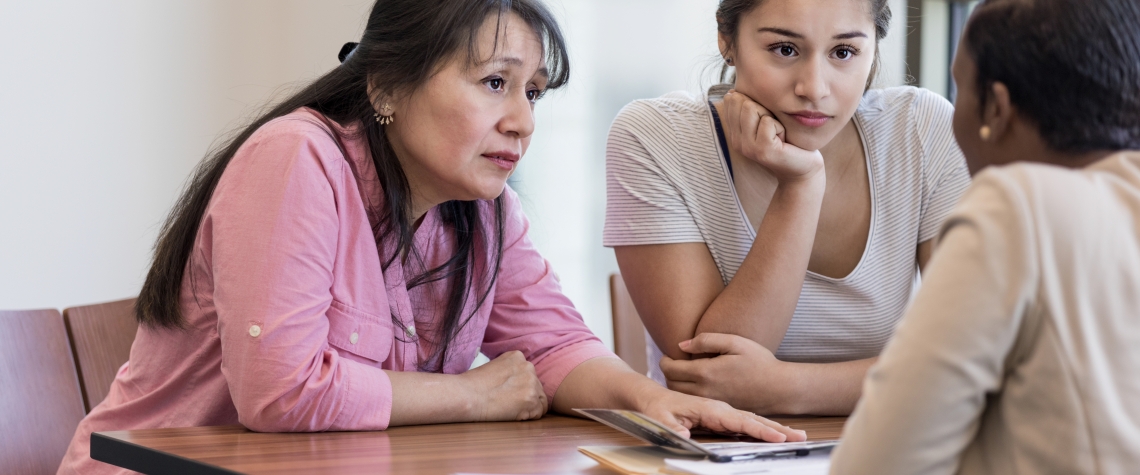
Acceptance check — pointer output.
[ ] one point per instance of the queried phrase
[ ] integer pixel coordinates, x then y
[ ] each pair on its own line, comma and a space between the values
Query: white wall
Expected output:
108, 105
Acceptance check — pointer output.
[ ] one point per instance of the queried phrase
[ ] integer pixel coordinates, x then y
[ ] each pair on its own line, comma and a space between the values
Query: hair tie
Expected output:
346, 51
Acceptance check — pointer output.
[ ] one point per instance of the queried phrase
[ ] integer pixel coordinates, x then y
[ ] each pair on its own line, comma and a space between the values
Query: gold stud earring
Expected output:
984, 132
384, 117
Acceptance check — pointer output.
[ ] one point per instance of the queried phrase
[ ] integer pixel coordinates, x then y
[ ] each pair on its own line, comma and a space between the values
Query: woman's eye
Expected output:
534, 94
785, 50
844, 54
495, 83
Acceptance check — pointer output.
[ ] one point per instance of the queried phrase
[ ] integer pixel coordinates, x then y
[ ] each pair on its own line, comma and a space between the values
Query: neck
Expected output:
423, 197
1081, 160
420, 207
843, 149
1025, 144
1069, 160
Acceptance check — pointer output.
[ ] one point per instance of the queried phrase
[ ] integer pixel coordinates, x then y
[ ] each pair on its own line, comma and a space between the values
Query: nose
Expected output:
518, 117
812, 81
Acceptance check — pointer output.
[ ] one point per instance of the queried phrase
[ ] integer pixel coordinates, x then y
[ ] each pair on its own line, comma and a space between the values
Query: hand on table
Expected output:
682, 412
506, 389
752, 131
743, 373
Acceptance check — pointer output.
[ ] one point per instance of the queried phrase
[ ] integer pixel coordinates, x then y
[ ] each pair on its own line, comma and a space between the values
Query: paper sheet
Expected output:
818, 463
630, 460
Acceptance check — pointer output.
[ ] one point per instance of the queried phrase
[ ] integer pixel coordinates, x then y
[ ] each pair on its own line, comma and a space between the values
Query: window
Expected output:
934, 28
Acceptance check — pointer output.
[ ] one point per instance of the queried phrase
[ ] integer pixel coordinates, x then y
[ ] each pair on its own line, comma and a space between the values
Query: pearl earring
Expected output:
984, 132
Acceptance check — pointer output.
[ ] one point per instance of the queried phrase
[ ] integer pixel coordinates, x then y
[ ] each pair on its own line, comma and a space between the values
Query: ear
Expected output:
378, 97
725, 45
999, 114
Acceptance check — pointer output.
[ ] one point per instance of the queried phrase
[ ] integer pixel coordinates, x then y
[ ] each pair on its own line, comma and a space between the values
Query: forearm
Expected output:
759, 301
823, 388
430, 398
604, 383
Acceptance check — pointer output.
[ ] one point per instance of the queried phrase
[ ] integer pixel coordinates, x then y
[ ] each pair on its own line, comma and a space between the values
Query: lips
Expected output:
504, 159
810, 118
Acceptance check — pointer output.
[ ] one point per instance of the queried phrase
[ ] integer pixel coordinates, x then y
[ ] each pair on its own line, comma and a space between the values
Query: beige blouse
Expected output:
1021, 352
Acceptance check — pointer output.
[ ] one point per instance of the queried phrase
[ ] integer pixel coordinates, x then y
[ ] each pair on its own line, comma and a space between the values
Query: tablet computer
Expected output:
645, 428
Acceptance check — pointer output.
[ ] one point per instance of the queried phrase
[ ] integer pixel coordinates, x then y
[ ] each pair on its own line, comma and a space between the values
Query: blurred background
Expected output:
105, 108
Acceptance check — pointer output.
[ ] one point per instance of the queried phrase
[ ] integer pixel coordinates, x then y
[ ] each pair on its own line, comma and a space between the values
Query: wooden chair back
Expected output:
101, 337
40, 404
629, 333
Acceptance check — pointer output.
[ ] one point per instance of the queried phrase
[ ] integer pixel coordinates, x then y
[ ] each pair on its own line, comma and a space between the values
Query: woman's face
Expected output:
806, 61
461, 134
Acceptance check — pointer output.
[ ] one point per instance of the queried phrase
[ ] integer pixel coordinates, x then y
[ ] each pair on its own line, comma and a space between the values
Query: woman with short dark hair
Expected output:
1021, 353
342, 261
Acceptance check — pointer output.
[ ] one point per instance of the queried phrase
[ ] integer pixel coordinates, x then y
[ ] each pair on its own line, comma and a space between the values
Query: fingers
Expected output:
685, 387
758, 133
790, 434
519, 394
683, 370
771, 130
750, 425
511, 359
540, 404
713, 343
747, 122
737, 98
793, 435
742, 120
670, 421
537, 408
754, 117
722, 418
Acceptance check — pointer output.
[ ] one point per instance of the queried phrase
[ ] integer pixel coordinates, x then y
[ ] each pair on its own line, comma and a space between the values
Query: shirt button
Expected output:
411, 330
353, 338
254, 331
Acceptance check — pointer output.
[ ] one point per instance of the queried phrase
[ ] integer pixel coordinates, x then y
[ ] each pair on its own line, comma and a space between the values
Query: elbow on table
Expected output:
281, 414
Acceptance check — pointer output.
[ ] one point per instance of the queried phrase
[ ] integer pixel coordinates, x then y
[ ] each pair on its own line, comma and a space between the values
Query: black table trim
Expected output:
121, 453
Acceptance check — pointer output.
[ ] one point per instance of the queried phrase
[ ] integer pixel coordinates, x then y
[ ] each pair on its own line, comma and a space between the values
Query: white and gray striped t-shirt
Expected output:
667, 181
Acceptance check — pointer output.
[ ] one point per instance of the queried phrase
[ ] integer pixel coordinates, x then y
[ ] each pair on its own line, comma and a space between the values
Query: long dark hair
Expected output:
728, 15
1072, 66
404, 43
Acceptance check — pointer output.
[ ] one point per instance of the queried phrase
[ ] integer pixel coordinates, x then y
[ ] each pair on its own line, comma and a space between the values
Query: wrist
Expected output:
472, 403
801, 193
805, 181
643, 395
792, 388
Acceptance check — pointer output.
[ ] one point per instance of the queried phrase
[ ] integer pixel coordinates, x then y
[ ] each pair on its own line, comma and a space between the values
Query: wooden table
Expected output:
548, 445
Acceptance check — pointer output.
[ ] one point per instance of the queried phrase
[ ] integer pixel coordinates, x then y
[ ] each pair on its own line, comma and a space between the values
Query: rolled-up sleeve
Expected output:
273, 222
530, 313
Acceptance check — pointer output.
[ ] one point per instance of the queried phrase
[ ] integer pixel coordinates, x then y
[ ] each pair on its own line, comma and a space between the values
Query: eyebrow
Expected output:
516, 62
792, 34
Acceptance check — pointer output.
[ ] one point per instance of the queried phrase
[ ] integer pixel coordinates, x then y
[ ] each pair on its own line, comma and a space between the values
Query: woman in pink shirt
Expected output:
340, 263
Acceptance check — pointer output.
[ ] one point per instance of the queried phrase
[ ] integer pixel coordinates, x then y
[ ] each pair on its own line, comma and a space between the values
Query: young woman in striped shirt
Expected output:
793, 211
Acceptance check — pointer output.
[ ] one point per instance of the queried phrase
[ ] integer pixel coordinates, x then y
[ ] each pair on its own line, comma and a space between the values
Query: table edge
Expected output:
131, 456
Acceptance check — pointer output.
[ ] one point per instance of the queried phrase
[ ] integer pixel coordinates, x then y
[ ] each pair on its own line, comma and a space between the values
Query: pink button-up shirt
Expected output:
290, 318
